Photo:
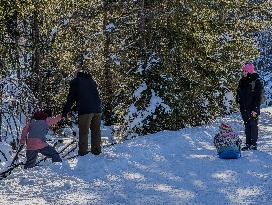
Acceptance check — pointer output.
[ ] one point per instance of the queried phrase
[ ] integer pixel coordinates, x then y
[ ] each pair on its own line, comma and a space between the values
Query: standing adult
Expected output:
249, 99
83, 91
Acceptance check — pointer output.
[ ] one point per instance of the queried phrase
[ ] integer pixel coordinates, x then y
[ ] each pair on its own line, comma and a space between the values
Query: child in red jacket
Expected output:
34, 136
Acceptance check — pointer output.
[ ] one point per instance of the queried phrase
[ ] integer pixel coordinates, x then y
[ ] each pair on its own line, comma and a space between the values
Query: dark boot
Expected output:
82, 153
253, 147
247, 147
96, 151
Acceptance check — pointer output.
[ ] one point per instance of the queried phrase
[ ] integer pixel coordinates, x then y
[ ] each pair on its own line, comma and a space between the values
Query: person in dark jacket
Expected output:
83, 91
249, 99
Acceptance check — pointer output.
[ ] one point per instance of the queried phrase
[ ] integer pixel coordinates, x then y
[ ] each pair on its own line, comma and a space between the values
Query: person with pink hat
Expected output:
249, 99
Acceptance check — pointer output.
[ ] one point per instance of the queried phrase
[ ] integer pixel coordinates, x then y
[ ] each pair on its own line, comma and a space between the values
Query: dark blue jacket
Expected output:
248, 97
83, 91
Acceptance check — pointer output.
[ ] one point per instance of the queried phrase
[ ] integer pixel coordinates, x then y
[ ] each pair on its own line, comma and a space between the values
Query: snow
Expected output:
268, 88
13, 91
138, 116
149, 65
169, 167
5, 154
110, 27
115, 59
138, 92
227, 37
228, 101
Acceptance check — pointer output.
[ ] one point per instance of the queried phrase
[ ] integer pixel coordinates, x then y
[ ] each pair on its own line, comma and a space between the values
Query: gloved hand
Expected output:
61, 123
254, 114
63, 115
21, 146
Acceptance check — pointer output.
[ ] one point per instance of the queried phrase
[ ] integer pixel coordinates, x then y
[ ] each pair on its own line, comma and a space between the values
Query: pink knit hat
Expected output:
249, 68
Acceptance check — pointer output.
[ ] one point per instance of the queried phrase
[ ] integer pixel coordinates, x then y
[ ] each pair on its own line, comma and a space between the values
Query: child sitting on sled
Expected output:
227, 143
34, 136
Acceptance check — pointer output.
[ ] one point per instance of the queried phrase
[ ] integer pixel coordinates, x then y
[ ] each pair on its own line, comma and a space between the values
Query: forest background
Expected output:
159, 65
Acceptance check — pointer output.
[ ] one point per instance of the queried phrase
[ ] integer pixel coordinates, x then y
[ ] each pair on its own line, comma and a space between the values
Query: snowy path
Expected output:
164, 168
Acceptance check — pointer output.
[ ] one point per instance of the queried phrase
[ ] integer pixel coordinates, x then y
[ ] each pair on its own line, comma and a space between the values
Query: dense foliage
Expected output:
159, 64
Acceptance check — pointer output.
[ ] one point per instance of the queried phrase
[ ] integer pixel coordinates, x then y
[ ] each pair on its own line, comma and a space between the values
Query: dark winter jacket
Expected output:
83, 91
249, 96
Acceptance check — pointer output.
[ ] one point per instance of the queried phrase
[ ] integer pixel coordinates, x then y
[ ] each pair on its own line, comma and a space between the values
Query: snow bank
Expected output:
166, 168
5, 154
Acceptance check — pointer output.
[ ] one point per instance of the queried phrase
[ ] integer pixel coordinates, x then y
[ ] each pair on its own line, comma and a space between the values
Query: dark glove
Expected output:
63, 115
61, 123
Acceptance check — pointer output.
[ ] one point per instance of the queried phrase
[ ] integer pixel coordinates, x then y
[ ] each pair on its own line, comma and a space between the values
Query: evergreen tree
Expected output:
196, 50
158, 64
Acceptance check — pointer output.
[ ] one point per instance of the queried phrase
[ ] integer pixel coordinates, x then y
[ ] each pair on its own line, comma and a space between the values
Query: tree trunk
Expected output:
36, 81
1, 110
143, 33
107, 74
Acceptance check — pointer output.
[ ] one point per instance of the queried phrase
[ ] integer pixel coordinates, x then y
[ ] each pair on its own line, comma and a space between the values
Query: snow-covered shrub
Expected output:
264, 62
5, 153
17, 102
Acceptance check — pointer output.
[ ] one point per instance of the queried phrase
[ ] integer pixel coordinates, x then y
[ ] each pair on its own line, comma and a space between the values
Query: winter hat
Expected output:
48, 111
225, 127
249, 68
40, 115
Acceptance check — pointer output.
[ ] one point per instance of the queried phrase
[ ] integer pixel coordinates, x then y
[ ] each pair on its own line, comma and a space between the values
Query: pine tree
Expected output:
158, 64
199, 49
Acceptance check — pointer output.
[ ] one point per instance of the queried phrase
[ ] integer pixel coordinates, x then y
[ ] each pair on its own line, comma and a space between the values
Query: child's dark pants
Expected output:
48, 151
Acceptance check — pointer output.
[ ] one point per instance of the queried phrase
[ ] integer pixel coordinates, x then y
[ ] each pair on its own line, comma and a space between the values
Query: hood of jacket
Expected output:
245, 81
84, 75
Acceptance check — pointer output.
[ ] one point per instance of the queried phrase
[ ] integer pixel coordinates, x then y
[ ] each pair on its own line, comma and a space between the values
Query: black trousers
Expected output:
251, 130
49, 151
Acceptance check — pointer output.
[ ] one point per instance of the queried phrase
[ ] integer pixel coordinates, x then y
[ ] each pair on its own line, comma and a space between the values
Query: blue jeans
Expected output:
49, 151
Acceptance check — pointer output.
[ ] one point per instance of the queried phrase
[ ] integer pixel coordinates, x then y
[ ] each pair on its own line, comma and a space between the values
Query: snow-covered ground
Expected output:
169, 167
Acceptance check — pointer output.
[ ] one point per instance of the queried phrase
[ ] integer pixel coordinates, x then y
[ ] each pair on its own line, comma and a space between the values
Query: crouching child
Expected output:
227, 143
34, 136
